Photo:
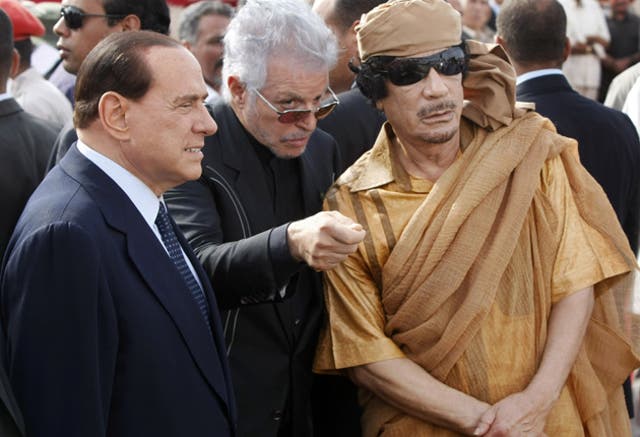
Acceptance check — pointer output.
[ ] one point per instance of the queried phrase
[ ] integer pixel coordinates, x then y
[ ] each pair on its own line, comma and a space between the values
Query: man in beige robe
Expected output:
488, 295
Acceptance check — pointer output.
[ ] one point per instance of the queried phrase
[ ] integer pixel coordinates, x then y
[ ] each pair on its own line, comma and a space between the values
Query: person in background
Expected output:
25, 143
253, 217
355, 123
475, 20
34, 93
624, 47
202, 27
483, 298
620, 87
84, 23
589, 35
24, 146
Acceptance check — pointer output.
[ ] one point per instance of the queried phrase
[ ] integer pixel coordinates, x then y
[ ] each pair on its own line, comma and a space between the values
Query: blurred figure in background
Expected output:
475, 20
34, 93
84, 23
25, 143
355, 123
624, 47
589, 35
202, 28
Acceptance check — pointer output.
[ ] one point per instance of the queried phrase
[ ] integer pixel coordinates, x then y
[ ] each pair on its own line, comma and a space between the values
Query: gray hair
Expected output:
264, 29
191, 15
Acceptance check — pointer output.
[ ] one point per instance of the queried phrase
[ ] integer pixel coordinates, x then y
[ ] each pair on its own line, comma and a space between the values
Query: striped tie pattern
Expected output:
175, 253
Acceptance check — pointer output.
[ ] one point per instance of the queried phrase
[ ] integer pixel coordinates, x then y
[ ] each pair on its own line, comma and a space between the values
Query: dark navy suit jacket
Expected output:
607, 142
608, 145
103, 337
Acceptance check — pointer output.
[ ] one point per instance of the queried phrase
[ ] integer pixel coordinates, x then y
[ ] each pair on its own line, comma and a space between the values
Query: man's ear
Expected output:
566, 50
238, 91
112, 111
15, 64
131, 22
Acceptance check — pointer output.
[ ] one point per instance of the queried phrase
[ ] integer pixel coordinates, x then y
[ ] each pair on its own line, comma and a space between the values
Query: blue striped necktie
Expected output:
175, 253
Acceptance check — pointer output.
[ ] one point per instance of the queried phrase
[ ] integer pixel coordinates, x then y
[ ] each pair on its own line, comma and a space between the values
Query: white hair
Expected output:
267, 29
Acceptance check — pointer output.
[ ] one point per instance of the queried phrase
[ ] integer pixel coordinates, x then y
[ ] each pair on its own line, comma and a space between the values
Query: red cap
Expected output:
25, 24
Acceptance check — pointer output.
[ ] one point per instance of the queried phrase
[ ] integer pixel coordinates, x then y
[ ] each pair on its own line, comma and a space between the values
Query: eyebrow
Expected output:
188, 98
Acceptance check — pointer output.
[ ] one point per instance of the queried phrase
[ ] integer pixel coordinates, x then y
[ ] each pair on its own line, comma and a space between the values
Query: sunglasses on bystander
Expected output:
74, 17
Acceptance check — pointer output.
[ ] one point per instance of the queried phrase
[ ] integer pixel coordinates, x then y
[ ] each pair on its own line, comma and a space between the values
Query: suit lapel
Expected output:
155, 266
239, 155
214, 312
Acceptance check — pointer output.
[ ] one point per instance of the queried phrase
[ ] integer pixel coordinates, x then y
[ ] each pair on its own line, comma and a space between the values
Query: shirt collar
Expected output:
537, 73
379, 167
140, 194
5, 96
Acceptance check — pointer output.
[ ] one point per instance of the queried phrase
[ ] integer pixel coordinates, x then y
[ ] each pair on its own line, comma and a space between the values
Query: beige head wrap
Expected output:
407, 28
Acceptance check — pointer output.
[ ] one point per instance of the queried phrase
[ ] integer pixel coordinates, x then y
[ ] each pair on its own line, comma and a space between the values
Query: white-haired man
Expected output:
253, 219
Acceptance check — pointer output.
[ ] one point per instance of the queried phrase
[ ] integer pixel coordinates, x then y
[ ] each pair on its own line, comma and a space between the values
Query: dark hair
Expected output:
6, 47
373, 82
534, 31
345, 12
24, 48
153, 14
117, 63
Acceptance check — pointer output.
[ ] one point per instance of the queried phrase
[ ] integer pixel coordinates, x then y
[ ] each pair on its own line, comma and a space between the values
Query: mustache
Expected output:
429, 110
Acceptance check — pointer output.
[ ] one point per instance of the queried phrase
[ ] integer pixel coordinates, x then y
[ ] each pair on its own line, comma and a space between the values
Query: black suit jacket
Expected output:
227, 216
25, 143
354, 124
65, 139
104, 338
607, 141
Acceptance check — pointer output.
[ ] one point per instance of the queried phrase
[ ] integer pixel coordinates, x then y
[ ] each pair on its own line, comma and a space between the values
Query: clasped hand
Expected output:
516, 415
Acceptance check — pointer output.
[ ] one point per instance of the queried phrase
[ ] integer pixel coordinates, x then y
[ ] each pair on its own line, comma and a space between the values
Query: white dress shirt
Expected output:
140, 194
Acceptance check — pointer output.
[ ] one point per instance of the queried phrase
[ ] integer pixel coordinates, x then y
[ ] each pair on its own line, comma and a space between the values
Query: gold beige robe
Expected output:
460, 276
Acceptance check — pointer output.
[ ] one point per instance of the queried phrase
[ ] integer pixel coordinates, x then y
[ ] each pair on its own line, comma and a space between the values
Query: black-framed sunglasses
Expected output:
289, 116
74, 17
407, 71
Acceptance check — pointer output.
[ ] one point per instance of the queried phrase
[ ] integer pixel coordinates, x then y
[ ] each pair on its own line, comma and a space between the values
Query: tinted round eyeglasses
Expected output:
407, 71
74, 17
289, 116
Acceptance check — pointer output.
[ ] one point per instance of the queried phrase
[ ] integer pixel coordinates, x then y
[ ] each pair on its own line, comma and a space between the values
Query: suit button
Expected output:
296, 322
276, 415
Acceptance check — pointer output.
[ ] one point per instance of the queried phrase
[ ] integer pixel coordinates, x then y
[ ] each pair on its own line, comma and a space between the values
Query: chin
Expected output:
287, 153
440, 137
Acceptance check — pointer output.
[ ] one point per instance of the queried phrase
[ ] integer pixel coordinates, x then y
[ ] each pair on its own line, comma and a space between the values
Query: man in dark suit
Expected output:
607, 140
355, 123
252, 218
112, 326
25, 143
